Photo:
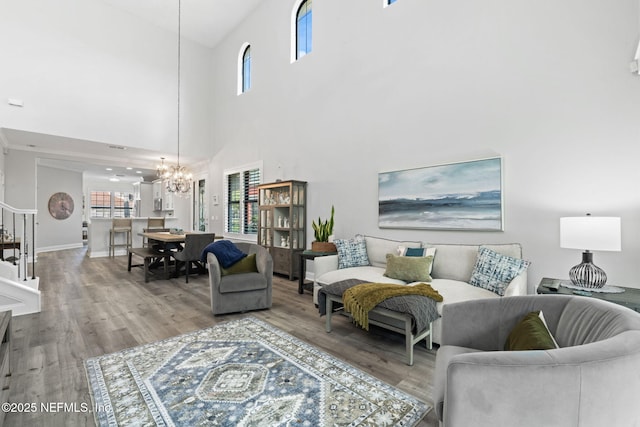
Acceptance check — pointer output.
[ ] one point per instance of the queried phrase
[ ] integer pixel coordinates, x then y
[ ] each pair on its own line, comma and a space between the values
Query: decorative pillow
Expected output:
352, 252
226, 252
420, 252
245, 265
530, 333
378, 248
409, 269
494, 271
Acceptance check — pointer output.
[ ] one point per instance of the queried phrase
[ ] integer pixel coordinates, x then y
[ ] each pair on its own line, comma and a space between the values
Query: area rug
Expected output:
244, 372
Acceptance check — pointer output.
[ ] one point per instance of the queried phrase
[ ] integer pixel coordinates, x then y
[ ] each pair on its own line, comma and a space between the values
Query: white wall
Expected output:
52, 233
544, 84
89, 71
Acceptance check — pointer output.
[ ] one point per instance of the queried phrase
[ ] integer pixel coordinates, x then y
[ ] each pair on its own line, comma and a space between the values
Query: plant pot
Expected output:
323, 247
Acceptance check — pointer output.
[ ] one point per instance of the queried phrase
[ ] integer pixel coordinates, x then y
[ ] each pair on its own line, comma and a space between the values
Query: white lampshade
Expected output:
597, 233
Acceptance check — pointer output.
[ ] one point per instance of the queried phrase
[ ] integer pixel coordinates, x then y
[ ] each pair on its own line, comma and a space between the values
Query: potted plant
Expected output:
323, 230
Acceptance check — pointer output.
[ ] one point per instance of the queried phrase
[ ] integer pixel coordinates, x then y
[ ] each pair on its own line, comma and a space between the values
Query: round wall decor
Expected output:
60, 205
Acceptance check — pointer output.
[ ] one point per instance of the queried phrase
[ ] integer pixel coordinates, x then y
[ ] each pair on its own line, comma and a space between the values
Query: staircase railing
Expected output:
22, 223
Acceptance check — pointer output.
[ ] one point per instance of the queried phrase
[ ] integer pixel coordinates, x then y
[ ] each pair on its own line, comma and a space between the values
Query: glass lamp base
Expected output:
587, 274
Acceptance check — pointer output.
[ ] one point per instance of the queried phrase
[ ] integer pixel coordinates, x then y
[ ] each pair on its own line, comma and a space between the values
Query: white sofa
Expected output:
452, 268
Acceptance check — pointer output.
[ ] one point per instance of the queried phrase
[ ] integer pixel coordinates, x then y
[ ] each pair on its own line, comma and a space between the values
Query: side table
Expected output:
630, 298
304, 256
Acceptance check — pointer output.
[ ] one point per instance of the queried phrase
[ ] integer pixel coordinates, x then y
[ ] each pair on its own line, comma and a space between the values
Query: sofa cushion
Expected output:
530, 333
368, 273
410, 269
352, 252
494, 271
453, 291
456, 262
242, 283
378, 248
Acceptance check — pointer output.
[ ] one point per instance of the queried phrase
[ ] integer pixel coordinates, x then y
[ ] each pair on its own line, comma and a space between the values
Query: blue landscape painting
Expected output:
456, 196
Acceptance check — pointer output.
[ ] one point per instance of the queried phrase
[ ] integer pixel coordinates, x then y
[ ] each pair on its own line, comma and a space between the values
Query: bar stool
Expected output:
120, 225
153, 224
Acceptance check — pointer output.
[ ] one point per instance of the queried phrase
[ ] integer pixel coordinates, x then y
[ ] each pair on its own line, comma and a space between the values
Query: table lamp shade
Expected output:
594, 233
589, 233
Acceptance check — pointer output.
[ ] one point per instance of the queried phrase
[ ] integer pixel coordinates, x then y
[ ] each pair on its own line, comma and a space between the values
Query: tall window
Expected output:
242, 200
112, 204
303, 29
246, 69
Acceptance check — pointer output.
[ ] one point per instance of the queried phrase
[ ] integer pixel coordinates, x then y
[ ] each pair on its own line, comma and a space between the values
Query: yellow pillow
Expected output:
245, 265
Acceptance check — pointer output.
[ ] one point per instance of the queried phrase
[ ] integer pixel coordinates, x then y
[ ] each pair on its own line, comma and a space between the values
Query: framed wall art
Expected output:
455, 196
60, 205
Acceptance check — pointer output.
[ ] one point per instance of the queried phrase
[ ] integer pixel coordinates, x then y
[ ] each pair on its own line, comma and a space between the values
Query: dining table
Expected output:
166, 242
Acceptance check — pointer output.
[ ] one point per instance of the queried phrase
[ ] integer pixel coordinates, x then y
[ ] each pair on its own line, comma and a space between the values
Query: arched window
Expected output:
303, 29
244, 68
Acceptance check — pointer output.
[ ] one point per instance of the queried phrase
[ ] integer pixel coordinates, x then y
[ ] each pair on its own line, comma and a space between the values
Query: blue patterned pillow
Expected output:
494, 271
352, 252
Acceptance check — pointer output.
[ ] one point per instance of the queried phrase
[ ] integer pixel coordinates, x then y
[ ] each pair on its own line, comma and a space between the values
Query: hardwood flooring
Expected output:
93, 306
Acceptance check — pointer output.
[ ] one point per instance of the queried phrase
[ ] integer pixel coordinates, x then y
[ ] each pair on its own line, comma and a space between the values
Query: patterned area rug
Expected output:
241, 373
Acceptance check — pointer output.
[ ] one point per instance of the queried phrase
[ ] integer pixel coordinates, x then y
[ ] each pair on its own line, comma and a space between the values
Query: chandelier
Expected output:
177, 178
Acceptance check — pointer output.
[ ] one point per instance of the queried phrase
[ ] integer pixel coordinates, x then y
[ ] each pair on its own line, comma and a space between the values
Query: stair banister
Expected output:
25, 244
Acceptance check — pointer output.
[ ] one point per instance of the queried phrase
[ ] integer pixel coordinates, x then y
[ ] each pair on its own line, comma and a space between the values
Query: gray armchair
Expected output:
194, 244
591, 380
241, 292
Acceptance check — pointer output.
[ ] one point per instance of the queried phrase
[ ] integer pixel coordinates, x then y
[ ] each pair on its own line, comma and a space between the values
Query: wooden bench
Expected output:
387, 319
150, 256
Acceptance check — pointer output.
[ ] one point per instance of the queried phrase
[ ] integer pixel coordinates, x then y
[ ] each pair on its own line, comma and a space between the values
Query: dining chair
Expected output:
155, 227
194, 244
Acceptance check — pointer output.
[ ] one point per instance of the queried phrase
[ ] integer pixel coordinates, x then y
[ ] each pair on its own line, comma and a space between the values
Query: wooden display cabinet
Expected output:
282, 223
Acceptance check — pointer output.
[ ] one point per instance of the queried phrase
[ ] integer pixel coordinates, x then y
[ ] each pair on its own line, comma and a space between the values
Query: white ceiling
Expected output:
203, 21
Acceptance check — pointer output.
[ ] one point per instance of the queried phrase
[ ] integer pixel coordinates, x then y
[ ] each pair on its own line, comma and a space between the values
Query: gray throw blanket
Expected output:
422, 309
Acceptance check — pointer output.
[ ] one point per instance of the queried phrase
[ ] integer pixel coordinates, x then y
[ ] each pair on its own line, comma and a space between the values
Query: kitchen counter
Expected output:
98, 235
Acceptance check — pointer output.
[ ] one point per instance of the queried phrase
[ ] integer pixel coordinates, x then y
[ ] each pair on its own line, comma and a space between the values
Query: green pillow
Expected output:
245, 265
409, 268
530, 333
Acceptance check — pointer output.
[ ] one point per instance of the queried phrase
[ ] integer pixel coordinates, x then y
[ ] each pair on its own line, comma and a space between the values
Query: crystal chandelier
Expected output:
177, 178
162, 170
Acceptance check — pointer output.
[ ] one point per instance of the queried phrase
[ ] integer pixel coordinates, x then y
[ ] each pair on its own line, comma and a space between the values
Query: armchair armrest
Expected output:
264, 263
324, 264
215, 272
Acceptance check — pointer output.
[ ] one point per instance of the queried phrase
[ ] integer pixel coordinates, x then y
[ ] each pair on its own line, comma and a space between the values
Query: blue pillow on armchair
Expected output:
226, 252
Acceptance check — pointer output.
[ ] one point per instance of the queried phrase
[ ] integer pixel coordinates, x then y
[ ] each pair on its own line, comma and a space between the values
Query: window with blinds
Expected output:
242, 201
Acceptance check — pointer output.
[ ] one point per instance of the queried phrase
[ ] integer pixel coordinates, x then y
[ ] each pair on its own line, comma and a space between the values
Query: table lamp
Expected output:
589, 233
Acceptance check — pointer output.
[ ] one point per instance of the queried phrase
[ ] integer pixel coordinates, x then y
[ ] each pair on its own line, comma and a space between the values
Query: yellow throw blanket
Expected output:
360, 299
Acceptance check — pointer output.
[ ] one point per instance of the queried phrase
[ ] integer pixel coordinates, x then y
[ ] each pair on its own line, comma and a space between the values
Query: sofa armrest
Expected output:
518, 286
324, 264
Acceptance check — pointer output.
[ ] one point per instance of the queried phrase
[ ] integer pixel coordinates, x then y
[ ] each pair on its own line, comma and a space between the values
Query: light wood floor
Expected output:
94, 306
